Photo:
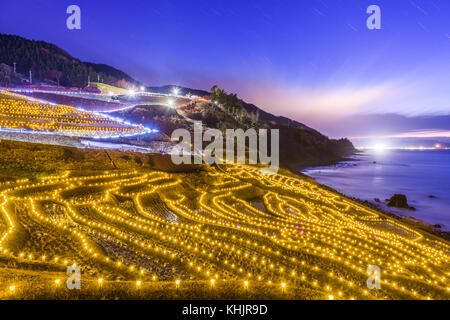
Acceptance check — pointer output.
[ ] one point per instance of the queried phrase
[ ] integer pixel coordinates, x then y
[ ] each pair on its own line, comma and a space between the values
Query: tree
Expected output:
54, 75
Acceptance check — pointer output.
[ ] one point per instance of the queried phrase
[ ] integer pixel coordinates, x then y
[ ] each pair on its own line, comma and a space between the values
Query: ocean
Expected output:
380, 174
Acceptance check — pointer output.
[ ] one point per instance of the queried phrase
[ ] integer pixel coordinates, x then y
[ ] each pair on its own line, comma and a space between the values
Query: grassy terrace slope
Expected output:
224, 232
106, 88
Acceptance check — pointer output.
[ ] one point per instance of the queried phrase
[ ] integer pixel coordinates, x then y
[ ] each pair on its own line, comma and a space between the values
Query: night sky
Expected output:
314, 61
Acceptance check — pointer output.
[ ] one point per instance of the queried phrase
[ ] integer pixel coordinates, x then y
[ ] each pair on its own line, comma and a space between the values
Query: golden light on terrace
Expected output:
21, 112
303, 235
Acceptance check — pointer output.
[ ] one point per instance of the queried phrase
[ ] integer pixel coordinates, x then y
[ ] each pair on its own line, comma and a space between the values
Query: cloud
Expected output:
411, 134
320, 105
340, 108
360, 126
398, 103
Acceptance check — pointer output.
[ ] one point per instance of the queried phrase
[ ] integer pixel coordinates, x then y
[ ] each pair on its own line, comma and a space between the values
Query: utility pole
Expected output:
31, 80
14, 67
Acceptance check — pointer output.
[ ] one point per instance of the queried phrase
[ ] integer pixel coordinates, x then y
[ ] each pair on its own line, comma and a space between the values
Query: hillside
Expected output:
263, 115
300, 145
138, 228
50, 63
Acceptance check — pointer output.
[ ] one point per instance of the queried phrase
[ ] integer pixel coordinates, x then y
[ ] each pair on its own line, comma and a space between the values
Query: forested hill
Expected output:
52, 64
300, 145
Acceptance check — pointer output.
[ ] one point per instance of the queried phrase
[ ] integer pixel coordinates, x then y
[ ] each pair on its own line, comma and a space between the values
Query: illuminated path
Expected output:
239, 226
23, 114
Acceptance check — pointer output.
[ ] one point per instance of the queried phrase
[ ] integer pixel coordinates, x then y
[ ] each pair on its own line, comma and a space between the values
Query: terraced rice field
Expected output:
227, 232
23, 114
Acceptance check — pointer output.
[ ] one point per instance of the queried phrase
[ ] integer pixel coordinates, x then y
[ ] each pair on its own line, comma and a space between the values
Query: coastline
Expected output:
410, 220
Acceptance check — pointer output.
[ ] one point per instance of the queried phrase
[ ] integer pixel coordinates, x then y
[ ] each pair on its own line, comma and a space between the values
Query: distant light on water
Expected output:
381, 148
378, 147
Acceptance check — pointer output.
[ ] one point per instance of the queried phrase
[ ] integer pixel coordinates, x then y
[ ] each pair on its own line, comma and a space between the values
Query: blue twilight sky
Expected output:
312, 60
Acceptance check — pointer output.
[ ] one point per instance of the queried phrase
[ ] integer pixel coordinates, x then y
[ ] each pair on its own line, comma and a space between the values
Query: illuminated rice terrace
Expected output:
229, 232
20, 113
